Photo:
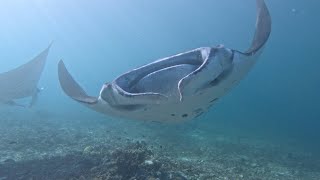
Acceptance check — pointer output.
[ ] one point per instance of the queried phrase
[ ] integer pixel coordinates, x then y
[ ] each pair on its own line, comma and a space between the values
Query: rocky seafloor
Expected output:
42, 145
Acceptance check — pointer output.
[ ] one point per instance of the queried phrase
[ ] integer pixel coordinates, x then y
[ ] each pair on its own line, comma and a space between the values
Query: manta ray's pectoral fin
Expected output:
262, 32
22, 81
72, 88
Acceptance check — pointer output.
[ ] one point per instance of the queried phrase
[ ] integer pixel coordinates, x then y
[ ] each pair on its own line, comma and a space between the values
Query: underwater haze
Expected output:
265, 128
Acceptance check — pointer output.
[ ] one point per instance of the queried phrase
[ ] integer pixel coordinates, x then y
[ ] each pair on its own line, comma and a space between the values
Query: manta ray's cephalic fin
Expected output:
71, 87
263, 29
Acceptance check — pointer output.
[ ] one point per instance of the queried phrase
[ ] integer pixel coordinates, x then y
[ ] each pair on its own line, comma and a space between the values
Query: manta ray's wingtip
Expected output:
61, 64
50, 44
48, 48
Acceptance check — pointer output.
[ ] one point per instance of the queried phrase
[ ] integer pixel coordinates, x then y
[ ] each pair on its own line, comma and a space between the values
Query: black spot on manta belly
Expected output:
184, 115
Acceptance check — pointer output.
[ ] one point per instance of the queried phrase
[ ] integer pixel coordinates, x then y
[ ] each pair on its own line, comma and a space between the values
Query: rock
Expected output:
9, 161
82, 178
253, 165
87, 150
148, 162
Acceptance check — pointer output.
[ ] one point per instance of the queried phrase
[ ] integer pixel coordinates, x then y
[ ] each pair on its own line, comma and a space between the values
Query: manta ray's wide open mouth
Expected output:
163, 75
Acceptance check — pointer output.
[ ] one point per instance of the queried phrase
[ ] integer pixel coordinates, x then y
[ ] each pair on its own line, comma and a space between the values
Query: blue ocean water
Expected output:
99, 40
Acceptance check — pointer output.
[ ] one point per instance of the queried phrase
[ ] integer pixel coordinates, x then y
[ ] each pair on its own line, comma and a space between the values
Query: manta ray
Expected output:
176, 88
22, 81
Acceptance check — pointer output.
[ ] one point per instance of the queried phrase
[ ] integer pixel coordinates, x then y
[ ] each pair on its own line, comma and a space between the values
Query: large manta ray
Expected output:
176, 88
22, 81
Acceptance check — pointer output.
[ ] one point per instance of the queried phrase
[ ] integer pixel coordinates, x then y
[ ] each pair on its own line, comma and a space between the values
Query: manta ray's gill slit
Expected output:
199, 115
213, 100
234, 81
197, 111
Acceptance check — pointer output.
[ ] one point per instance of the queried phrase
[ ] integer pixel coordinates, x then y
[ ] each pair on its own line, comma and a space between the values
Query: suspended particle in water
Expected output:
296, 11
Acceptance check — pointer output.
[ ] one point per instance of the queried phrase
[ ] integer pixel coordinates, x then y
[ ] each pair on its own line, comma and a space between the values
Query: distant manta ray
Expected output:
22, 81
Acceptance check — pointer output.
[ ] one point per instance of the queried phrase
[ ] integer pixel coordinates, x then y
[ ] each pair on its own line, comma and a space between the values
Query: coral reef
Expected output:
53, 147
